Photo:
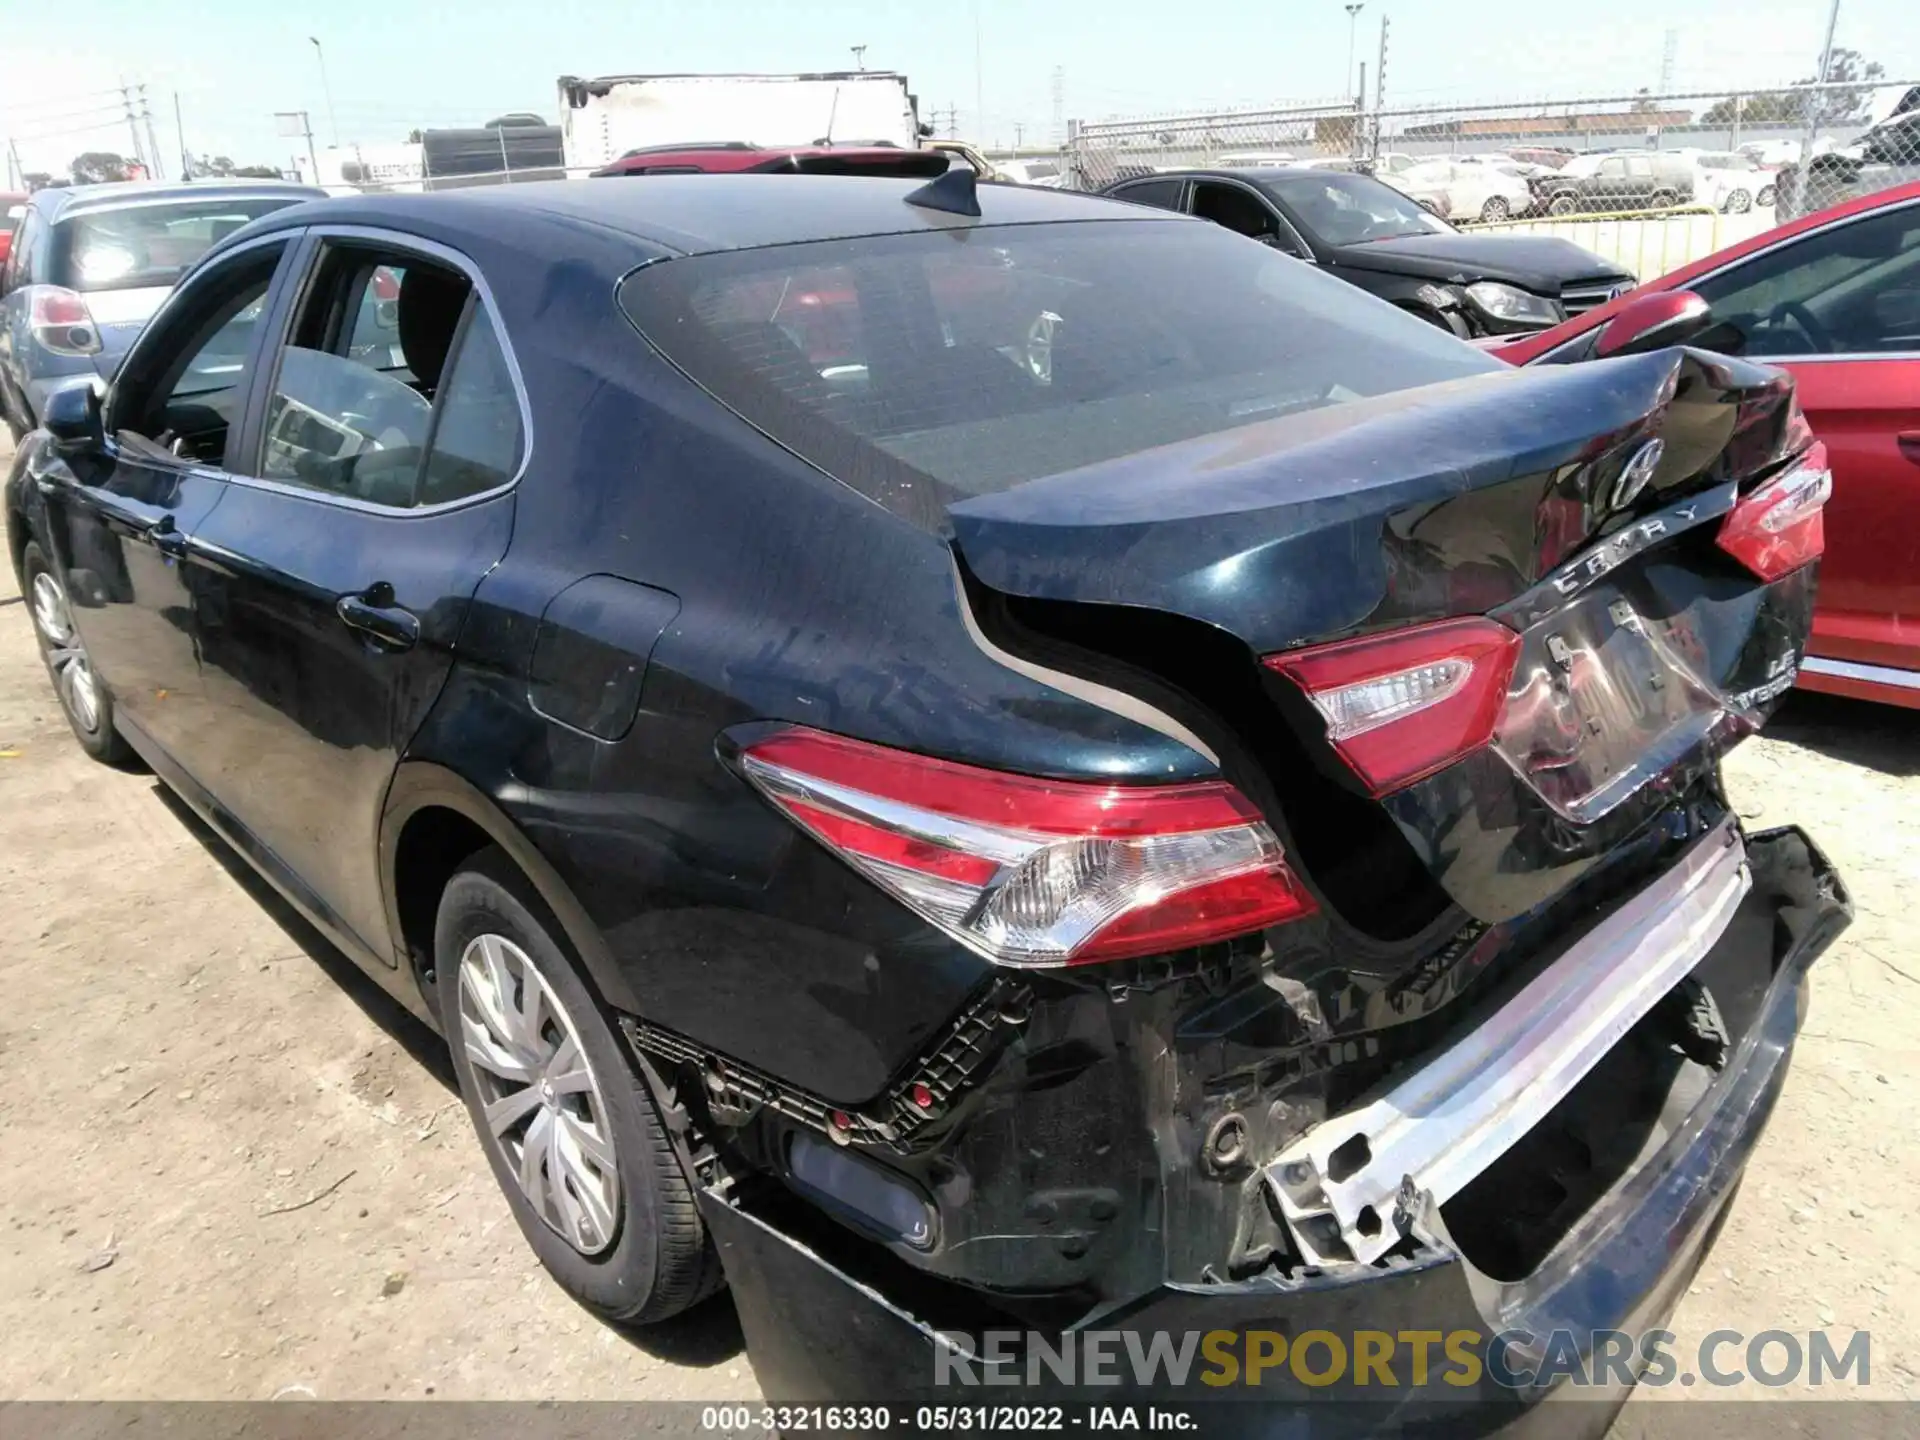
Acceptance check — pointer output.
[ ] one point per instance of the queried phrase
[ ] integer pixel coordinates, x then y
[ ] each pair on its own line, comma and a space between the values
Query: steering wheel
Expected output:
1817, 334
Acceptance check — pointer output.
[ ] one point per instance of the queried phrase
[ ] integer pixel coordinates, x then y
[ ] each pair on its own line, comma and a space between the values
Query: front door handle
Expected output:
1909, 443
374, 614
167, 537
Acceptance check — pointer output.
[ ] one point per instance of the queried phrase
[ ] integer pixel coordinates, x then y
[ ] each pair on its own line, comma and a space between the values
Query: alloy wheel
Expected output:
73, 676
543, 1108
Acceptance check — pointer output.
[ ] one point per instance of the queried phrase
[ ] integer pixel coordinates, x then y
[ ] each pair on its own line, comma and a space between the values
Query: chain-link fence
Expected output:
1652, 182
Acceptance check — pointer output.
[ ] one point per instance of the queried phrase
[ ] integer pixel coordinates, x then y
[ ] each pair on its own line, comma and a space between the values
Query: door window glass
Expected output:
181, 387
352, 400
478, 439
1851, 289
1236, 209
1165, 194
394, 388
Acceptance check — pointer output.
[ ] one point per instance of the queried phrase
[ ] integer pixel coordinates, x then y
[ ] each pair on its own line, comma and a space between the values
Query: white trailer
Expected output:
603, 119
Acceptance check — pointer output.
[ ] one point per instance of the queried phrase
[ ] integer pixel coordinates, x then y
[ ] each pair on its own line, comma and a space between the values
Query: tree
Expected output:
213, 165
95, 167
255, 172
1847, 105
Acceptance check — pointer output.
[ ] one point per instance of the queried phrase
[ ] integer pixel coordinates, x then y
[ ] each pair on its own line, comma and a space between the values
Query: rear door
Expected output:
125, 521
1840, 308
381, 452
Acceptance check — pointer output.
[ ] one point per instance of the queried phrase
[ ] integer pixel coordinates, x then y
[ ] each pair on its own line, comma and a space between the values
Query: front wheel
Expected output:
1496, 209
1766, 196
1562, 205
573, 1136
84, 700
1738, 203
1663, 199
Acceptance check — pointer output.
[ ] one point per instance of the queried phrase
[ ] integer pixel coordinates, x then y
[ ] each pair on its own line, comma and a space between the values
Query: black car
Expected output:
1374, 236
984, 760
1652, 180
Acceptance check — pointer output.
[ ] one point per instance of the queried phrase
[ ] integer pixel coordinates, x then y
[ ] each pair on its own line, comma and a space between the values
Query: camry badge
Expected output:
1635, 475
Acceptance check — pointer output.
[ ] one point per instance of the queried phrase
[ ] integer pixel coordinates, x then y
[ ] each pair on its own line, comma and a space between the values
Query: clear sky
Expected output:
397, 64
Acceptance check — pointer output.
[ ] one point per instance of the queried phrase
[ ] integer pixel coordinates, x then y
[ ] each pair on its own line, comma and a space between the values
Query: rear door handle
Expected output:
167, 537
1909, 443
374, 614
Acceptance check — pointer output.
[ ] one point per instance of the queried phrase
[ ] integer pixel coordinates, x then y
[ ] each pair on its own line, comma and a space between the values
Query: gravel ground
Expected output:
237, 1171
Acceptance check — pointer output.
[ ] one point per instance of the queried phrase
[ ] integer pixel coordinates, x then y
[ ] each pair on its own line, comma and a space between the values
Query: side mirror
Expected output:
73, 417
1652, 322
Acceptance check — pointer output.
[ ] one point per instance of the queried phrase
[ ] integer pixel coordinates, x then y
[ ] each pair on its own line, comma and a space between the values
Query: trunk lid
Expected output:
1643, 651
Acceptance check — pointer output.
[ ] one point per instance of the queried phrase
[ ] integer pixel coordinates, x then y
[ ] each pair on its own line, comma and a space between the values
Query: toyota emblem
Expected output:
1635, 474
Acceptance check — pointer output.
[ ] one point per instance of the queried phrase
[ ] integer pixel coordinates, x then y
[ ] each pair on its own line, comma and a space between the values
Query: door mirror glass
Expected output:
73, 417
1652, 322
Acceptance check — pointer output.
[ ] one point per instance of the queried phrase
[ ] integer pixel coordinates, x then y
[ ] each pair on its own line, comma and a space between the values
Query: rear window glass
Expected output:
142, 245
926, 368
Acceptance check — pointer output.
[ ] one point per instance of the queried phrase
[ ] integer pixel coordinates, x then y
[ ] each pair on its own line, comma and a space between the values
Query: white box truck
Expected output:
603, 119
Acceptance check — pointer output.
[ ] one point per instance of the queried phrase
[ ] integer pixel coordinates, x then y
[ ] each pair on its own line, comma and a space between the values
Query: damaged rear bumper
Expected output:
1349, 1188
847, 1324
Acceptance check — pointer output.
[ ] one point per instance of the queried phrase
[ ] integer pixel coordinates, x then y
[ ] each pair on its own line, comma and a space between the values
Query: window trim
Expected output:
316, 238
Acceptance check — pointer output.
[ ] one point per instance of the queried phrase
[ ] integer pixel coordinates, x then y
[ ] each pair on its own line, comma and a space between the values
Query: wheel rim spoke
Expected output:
538, 1100
586, 1140
504, 1114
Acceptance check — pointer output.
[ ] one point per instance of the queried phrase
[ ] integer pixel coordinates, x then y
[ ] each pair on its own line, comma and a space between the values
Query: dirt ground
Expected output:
236, 1171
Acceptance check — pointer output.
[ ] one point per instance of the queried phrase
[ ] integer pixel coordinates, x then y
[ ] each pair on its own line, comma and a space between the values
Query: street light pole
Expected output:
859, 55
1353, 22
326, 89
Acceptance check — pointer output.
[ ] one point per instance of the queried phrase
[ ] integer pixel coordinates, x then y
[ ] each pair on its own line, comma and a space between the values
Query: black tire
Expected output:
660, 1261
1663, 200
1495, 210
95, 733
1562, 205
1738, 203
1766, 196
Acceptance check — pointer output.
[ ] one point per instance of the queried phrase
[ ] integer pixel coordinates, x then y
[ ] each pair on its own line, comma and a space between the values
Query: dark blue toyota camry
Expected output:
969, 759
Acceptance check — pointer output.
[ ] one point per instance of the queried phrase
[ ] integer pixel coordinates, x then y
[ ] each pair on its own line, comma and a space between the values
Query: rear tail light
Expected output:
1035, 872
1780, 526
1402, 705
61, 322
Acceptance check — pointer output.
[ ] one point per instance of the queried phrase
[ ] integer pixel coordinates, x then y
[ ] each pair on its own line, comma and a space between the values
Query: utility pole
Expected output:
156, 170
859, 55
326, 89
1353, 25
180, 138
1019, 133
1059, 136
133, 125
1379, 87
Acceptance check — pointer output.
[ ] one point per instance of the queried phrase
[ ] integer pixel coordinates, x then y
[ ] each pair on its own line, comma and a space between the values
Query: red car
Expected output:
1833, 298
12, 207
736, 158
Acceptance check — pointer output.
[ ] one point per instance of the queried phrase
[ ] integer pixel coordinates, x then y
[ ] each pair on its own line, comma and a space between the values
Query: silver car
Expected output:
91, 263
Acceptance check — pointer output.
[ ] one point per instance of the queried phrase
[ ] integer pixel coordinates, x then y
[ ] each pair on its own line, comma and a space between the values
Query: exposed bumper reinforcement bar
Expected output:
1349, 1186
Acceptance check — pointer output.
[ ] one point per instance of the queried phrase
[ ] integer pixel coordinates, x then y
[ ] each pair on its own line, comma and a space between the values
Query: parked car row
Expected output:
962, 756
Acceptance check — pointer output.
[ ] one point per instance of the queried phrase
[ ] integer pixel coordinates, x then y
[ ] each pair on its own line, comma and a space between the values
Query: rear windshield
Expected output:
143, 245
926, 368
